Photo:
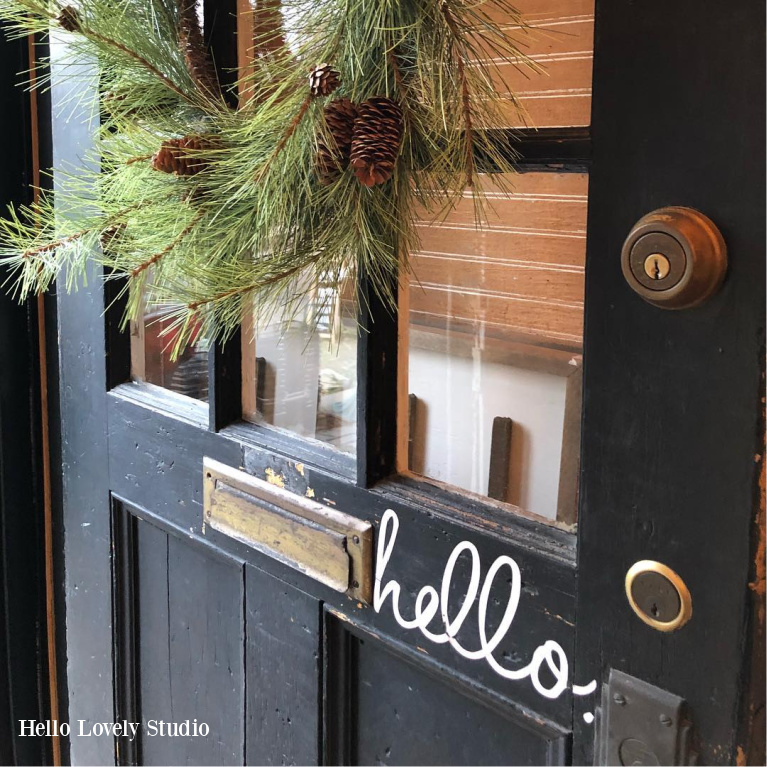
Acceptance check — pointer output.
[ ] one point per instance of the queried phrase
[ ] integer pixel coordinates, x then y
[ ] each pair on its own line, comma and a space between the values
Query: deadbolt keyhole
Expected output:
657, 266
658, 595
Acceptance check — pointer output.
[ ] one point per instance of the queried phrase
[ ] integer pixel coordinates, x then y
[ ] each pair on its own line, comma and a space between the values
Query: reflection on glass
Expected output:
300, 373
151, 357
496, 324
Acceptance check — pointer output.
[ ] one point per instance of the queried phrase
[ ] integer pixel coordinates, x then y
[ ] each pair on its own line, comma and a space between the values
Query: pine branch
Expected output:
168, 248
270, 226
49, 246
285, 138
140, 158
465, 97
283, 276
70, 19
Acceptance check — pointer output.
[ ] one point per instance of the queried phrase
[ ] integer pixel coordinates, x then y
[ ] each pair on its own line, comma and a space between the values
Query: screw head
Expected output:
619, 699
666, 720
356, 538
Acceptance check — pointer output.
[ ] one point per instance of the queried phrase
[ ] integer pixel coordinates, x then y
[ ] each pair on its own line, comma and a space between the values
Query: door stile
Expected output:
671, 398
84, 454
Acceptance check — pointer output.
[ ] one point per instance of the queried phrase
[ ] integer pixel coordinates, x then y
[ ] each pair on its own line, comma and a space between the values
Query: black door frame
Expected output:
664, 170
25, 693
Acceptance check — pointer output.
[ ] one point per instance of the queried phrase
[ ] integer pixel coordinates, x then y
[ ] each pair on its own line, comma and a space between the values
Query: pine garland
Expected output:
357, 114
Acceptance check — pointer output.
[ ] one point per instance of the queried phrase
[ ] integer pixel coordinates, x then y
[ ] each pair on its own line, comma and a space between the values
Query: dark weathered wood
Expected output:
224, 359
671, 398
412, 427
500, 459
282, 657
118, 345
407, 712
570, 457
84, 465
338, 701
225, 382
286, 669
161, 465
190, 618
126, 628
376, 386
23, 691
57, 521
318, 454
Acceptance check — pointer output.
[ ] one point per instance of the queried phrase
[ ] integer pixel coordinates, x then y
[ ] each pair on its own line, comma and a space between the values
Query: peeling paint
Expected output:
558, 617
300, 469
327, 500
273, 478
759, 584
310, 492
740, 758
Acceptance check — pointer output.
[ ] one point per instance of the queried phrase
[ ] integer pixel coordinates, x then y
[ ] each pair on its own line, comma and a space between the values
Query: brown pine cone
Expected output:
109, 235
376, 141
333, 157
323, 80
198, 62
69, 19
177, 155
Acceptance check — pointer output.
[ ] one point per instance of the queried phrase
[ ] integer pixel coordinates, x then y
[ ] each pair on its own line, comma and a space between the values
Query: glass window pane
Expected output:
562, 41
300, 372
151, 357
496, 326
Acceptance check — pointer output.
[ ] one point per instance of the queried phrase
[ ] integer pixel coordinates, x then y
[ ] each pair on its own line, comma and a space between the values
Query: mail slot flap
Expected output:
332, 547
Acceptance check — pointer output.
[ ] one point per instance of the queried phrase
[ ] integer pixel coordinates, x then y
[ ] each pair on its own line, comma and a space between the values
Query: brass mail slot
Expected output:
332, 547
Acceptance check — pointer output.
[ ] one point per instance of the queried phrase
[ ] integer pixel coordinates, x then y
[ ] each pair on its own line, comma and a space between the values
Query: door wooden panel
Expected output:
408, 713
283, 661
190, 628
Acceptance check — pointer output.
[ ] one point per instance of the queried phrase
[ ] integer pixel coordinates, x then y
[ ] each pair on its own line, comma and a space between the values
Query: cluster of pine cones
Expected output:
366, 136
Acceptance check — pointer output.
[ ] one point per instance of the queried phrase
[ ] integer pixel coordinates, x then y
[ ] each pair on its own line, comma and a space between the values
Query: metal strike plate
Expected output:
332, 547
638, 724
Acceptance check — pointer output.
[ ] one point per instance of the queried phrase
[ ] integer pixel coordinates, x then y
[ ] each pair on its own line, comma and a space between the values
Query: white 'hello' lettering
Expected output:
428, 603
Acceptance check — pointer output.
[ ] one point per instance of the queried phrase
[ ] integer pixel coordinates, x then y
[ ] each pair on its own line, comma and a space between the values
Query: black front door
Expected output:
213, 593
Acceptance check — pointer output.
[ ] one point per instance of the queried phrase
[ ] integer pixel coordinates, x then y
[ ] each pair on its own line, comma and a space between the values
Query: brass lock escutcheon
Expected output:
674, 257
658, 595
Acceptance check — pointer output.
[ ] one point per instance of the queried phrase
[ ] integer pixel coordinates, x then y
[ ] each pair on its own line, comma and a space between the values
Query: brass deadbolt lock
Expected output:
674, 258
658, 595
